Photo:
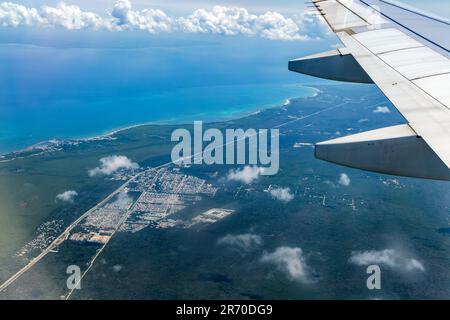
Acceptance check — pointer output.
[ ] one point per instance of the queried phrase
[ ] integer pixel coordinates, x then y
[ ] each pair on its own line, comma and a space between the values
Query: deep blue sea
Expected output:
59, 84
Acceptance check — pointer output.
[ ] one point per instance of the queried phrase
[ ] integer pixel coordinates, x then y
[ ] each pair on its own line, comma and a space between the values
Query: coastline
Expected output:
108, 134
248, 113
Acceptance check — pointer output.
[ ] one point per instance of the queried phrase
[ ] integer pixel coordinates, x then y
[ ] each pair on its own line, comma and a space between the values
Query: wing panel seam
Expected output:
409, 29
401, 49
432, 75
400, 74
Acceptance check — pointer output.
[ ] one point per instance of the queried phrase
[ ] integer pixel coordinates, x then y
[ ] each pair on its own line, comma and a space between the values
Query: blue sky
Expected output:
199, 18
64, 83
441, 7
274, 20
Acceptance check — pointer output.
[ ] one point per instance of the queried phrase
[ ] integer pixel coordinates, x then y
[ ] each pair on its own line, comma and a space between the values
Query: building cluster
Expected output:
45, 234
149, 200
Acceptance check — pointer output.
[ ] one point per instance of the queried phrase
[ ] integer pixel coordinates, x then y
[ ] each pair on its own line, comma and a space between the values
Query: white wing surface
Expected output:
405, 52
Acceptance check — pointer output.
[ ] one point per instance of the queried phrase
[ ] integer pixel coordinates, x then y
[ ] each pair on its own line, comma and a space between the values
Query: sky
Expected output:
280, 20
68, 64
126, 15
441, 7
70, 72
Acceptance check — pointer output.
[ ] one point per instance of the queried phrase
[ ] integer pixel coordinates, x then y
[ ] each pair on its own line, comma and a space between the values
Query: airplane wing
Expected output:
405, 52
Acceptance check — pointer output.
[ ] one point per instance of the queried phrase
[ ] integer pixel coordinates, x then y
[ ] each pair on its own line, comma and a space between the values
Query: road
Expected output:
91, 263
63, 236
66, 232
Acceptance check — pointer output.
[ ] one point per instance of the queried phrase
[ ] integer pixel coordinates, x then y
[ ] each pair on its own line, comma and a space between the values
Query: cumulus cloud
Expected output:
289, 260
150, 20
111, 164
312, 25
245, 242
234, 21
67, 196
219, 20
344, 180
382, 109
117, 268
247, 175
123, 201
389, 257
62, 15
282, 194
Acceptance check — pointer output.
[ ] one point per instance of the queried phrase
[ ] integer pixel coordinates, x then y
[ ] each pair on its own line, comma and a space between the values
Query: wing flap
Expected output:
387, 150
428, 117
411, 67
338, 16
437, 86
386, 40
416, 63
347, 14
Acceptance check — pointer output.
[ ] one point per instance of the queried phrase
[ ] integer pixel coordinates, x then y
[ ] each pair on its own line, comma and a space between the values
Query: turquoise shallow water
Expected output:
93, 115
72, 85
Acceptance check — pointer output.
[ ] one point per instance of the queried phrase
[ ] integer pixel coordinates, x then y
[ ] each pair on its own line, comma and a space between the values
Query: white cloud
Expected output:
289, 260
382, 109
70, 17
123, 201
234, 21
282, 194
246, 242
62, 15
313, 25
111, 164
14, 15
219, 20
247, 175
344, 180
389, 257
67, 196
151, 20
121, 12
117, 268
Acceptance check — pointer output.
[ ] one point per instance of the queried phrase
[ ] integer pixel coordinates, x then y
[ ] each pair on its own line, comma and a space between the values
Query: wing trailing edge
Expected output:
406, 54
393, 150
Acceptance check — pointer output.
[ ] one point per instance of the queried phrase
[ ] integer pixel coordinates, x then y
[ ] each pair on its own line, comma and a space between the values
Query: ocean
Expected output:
88, 116
75, 85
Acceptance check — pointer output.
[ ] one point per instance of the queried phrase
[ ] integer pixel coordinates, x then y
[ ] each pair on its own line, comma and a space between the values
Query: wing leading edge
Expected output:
409, 66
